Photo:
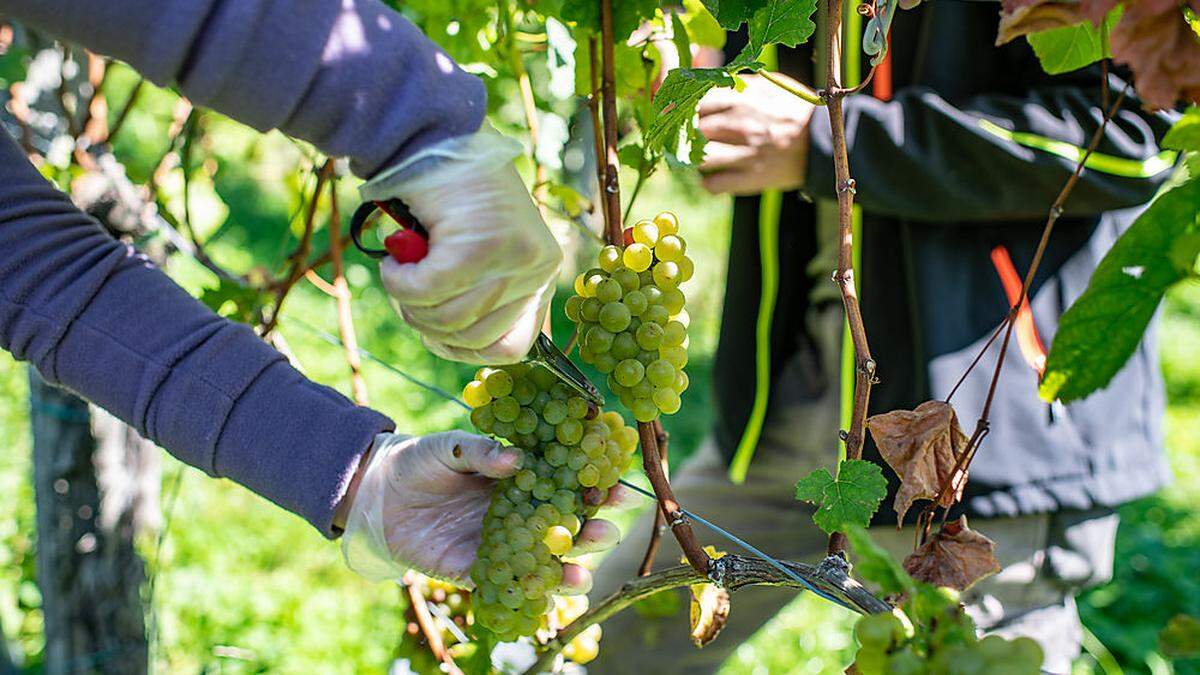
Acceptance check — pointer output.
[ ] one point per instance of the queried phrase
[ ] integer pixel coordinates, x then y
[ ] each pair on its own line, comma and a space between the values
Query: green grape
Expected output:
615, 317
577, 407
565, 479
589, 475
610, 258
556, 454
520, 539
667, 400
608, 291
654, 295
677, 356
499, 572
554, 412
590, 311
572, 523
545, 487
674, 333
669, 248
636, 302
569, 431
628, 279
506, 409
545, 432
656, 314
667, 275
599, 340
681, 382
525, 480
605, 363
524, 390
686, 269
637, 257
580, 287
624, 346
563, 500
499, 384
476, 394
558, 540
650, 336
483, 419
526, 422
591, 444
576, 460
572, 307
673, 301
642, 389
644, 410
668, 223
645, 232
542, 377
629, 372
661, 373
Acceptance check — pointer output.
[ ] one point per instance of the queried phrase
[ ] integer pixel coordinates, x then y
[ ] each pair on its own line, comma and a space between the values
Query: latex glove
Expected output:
757, 138
420, 505
480, 294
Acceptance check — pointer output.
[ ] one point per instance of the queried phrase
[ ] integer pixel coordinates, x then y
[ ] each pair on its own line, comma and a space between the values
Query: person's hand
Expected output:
420, 501
757, 138
480, 294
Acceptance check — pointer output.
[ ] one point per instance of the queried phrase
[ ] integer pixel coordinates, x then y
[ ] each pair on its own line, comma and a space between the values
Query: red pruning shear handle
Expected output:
410, 243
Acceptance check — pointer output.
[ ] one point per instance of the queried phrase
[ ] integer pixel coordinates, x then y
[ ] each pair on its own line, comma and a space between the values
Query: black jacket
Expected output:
940, 189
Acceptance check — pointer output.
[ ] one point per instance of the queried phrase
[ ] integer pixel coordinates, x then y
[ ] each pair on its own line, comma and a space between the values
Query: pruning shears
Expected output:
544, 352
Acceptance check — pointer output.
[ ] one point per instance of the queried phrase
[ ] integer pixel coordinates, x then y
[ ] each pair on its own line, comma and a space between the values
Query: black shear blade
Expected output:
546, 353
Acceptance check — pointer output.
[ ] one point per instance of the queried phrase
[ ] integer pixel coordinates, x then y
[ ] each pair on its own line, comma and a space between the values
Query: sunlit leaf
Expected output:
848, 500
677, 98
785, 22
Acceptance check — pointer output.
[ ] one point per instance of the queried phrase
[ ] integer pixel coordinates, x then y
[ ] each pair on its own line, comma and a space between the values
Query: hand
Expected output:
757, 138
420, 505
481, 293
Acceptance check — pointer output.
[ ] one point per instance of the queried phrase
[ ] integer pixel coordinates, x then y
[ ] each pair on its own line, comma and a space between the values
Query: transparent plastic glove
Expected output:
420, 505
480, 294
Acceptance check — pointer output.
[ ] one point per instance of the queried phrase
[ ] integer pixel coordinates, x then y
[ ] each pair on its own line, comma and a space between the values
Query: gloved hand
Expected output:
480, 294
420, 505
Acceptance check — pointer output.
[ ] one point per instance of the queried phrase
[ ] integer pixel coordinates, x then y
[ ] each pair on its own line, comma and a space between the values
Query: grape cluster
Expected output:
631, 318
888, 645
572, 455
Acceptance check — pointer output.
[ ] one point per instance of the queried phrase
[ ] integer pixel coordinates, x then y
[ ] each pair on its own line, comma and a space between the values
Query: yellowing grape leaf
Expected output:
922, 446
1159, 45
709, 612
1022, 17
956, 556
846, 501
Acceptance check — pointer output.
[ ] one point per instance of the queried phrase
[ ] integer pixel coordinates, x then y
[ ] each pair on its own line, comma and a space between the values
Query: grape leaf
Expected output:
1184, 134
956, 556
731, 14
873, 563
677, 98
848, 500
702, 26
683, 45
1163, 51
1180, 639
922, 446
708, 612
1062, 50
1101, 330
785, 22
1020, 17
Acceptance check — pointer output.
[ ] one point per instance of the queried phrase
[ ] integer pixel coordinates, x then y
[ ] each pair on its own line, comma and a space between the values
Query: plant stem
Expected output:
433, 636
864, 364
660, 520
735, 572
1056, 210
597, 125
342, 296
299, 257
795, 88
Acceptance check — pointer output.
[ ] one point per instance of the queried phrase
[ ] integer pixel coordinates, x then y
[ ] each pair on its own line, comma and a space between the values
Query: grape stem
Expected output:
651, 460
660, 520
425, 621
735, 572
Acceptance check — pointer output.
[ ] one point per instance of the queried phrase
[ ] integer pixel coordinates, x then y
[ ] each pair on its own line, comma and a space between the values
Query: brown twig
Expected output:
299, 257
597, 126
733, 572
1056, 211
651, 460
660, 520
864, 365
433, 636
342, 294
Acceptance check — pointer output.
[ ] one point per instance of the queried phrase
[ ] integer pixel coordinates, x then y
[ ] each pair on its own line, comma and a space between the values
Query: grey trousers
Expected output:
1046, 558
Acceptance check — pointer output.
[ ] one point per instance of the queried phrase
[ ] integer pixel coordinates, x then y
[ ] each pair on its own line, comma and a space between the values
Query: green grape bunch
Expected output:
572, 455
631, 320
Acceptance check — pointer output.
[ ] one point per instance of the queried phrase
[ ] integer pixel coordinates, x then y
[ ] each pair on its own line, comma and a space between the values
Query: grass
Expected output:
245, 587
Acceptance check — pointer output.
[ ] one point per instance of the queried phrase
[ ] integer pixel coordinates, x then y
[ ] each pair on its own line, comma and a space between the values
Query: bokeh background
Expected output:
240, 586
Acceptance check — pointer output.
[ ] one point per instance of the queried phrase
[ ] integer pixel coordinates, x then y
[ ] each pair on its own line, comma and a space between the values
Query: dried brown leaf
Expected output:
921, 446
956, 556
709, 612
1022, 17
1161, 49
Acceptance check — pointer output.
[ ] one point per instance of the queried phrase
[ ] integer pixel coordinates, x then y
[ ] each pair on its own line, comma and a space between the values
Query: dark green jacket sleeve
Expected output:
923, 157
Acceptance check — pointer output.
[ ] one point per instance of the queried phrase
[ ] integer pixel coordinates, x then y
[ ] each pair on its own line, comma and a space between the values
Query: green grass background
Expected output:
235, 572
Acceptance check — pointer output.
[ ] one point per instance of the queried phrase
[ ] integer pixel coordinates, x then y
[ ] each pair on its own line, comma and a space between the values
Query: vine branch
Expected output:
342, 296
732, 572
660, 519
864, 365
